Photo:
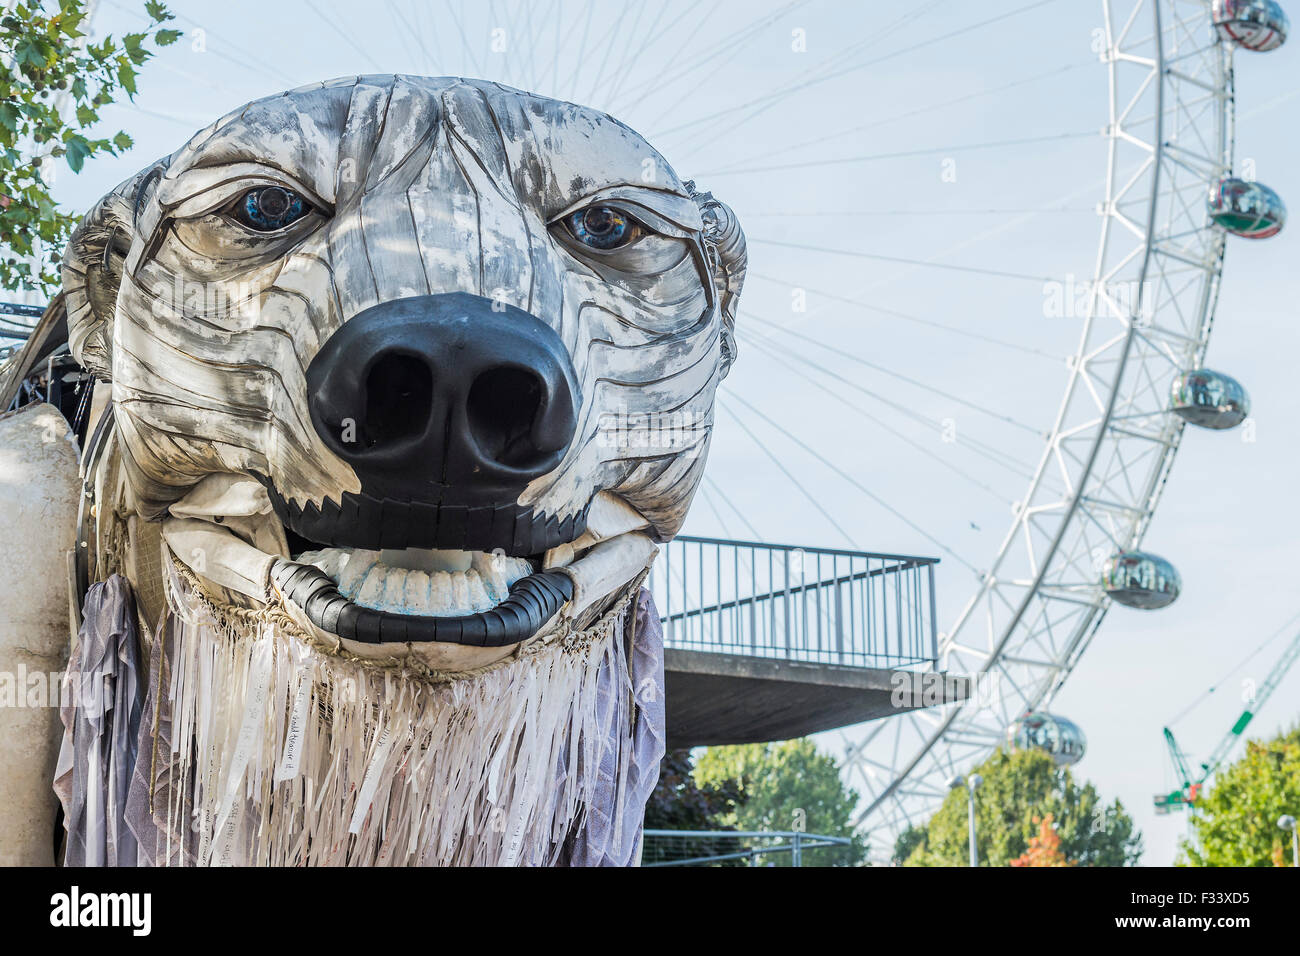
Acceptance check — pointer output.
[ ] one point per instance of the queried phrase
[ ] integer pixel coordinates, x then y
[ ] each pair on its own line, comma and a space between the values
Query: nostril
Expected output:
502, 409
399, 399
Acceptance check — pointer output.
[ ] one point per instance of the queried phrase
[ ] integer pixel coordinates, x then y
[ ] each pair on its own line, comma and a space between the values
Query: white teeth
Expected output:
417, 587
372, 588
477, 593
499, 572
330, 560
355, 567
439, 583
440, 590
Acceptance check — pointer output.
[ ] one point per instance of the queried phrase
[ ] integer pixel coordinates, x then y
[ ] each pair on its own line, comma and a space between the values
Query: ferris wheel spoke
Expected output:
785, 91
777, 357
894, 313
616, 102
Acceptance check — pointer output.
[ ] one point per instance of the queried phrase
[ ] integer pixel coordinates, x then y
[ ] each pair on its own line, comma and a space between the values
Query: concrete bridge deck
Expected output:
770, 642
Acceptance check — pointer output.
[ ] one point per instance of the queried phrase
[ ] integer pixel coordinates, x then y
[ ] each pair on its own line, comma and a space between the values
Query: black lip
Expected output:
374, 523
532, 601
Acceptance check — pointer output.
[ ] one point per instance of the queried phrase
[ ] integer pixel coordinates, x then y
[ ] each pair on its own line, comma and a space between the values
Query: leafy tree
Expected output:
907, 842
1020, 790
786, 786
1235, 823
1044, 847
44, 57
679, 802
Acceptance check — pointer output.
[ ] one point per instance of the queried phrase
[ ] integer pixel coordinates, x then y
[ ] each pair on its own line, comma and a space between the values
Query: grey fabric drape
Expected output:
103, 697
611, 831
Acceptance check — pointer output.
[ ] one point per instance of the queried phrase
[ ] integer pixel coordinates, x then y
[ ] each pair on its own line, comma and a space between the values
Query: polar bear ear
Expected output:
725, 241
92, 270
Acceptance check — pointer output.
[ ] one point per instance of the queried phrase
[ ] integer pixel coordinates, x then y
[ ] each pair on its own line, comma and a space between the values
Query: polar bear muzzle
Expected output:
446, 407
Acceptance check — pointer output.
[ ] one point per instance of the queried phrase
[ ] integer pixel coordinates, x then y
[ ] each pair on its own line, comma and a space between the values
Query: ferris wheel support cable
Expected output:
859, 360
622, 95
811, 498
754, 534
243, 64
774, 96
855, 483
919, 111
883, 32
900, 154
853, 406
347, 37
990, 452
706, 56
599, 75
811, 75
1285, 629
989, 211
648, 45
880, 257
909, 317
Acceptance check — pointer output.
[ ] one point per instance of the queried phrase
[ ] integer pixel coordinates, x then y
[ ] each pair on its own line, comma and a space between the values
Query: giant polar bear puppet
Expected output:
409, 376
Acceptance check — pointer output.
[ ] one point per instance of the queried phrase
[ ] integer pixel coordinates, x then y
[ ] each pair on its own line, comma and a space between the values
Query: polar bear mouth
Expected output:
403, 595
422, 595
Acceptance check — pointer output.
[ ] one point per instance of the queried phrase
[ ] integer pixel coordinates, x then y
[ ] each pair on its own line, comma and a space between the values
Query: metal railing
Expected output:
818, 605
743, 848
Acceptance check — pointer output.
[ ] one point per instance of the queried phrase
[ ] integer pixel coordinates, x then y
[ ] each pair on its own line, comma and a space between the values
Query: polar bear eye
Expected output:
603, 227
268, 208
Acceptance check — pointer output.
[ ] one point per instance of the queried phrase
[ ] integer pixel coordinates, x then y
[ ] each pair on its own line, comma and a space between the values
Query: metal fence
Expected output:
819, 605
742, 848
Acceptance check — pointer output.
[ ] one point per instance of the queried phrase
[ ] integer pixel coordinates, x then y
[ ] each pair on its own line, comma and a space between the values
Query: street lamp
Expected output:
1287, 822
971, 784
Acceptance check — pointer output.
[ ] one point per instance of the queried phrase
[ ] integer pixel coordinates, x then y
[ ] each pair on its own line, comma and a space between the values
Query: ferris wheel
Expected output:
1136, 380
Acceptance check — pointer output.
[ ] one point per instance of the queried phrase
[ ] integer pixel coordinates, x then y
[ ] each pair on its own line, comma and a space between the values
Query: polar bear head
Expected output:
443, 329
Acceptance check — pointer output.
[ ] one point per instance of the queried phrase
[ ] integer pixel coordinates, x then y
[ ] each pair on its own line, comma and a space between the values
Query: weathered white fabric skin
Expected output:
267, 751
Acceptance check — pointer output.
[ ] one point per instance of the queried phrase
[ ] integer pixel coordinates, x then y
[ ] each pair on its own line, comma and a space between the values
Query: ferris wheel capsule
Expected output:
1141, 580
1060, 739
1246, 209
1209, 399
1258, 25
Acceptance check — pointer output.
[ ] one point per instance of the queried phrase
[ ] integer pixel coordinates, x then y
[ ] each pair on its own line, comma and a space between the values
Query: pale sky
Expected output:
894, 96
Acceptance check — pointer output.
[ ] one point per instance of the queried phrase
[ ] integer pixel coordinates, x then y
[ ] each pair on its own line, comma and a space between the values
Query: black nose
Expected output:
441, 393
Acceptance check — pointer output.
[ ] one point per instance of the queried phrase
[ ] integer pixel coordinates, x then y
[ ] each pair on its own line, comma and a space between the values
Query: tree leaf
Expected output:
78, 149
126, 76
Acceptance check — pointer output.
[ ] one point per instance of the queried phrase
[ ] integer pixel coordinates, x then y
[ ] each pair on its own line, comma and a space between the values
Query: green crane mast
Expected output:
1192, 784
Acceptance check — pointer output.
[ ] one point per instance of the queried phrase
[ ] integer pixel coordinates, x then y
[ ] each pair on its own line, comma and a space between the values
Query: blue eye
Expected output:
602, 227
268, 208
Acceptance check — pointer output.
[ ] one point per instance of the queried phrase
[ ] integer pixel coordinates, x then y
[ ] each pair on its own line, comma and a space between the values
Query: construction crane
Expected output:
1192, 784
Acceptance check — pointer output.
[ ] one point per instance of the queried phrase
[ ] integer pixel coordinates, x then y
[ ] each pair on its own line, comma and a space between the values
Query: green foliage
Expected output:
786, 786
45, 57
1235, 824
907, 843
679, 802
1020, 789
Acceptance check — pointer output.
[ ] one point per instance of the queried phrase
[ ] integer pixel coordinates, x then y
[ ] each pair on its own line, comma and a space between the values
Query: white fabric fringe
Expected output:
284, 755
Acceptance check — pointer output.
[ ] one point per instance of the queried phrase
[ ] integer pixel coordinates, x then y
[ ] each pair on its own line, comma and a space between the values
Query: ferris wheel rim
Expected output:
1088, 622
